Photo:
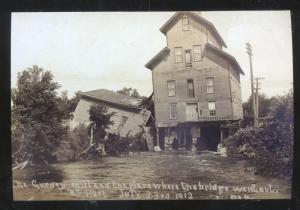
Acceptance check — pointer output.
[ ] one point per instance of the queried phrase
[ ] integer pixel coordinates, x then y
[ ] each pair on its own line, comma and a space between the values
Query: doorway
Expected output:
209, 138
185, 137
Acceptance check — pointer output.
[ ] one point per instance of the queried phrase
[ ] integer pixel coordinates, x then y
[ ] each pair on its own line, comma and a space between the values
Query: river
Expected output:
148, 175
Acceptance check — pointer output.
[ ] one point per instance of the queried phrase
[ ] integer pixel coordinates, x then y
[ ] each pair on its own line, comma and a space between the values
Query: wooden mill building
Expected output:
196, 84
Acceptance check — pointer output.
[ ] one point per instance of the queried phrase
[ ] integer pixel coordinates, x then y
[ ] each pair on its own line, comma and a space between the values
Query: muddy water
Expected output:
182, 169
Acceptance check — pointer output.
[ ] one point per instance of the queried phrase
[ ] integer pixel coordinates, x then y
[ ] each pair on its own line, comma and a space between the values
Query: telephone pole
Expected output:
249, 51
257, 88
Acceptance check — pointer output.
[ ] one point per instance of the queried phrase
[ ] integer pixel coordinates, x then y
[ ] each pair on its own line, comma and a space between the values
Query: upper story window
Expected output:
210, 85
212, 108
190, 88
185, 23
173, 111
188, 58
197, 52
178, 54
171, 88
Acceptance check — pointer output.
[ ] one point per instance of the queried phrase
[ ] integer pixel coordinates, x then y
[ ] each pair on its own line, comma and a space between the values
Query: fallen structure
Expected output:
130, 117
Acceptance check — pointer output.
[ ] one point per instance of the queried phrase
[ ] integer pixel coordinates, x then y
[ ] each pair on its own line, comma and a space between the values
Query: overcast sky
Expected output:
93, 50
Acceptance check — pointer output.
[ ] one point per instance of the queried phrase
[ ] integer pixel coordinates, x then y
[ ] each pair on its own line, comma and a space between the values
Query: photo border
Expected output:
6, 201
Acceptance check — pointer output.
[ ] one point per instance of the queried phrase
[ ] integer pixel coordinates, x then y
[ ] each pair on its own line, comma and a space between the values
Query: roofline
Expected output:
112, 102
226, 55
149, 65
209, 24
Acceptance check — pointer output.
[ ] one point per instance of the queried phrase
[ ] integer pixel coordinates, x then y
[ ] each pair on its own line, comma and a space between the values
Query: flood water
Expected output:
148, 175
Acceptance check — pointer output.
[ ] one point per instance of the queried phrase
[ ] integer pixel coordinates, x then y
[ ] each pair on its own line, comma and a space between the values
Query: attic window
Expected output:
185, 23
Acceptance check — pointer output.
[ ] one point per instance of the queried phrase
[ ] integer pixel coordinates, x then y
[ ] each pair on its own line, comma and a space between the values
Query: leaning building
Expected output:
196, 85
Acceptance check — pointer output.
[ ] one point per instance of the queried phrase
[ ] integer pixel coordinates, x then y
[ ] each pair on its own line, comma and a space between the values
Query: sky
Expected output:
93, 50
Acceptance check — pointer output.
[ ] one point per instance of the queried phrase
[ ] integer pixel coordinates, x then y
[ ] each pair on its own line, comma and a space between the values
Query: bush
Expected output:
116, 145
75, 142
271, 145
36, 142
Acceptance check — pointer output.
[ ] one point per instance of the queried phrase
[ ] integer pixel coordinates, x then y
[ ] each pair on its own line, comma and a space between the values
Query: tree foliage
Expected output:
270, 144
100, 116
67, 106
277, 107
132, 92
75, 142
36, 119
35, 96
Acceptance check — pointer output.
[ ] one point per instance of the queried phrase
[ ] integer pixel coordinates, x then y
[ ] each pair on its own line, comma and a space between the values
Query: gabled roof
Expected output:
197, 18
112, 97
157, 58
224, 55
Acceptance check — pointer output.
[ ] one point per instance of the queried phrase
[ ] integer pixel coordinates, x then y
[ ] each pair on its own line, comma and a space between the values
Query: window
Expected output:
178, 55
122, 122
197, 52
185, 23
192, 112
188, 58
173, 111
212, 108
210, 85
190, 88
171, 88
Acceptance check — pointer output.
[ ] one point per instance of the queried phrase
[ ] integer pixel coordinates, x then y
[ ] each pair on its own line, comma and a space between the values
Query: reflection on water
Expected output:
148, 167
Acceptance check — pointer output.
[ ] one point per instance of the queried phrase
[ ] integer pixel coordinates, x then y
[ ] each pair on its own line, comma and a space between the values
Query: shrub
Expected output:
75, 142
271, 145
36, 142
116, 145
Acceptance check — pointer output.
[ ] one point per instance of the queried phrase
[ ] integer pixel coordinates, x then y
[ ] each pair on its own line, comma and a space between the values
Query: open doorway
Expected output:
209, 138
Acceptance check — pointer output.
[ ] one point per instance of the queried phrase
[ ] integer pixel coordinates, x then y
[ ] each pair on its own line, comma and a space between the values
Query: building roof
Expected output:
112, 97
159, 56
225, 55
197, 18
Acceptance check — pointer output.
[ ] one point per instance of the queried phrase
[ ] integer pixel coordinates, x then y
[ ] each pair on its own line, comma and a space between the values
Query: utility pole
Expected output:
249, 51
257, 88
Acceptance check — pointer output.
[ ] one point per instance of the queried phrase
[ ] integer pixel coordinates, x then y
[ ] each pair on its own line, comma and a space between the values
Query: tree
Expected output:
64, 104
74, 101
283, 110
265, 109
100, 116
271, 143
67, 106
132, 92
36, 117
